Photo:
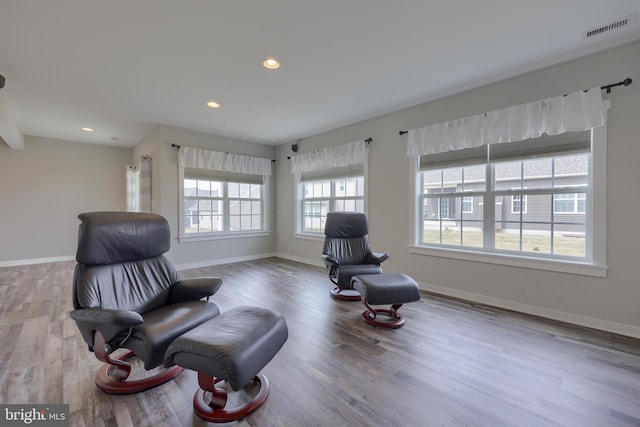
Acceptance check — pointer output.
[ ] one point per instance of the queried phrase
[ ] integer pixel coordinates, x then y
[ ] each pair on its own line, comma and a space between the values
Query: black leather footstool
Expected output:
386, 288
233, 347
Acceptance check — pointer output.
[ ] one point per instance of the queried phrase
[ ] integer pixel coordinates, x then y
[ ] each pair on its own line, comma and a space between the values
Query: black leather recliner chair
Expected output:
347, 252
126, 294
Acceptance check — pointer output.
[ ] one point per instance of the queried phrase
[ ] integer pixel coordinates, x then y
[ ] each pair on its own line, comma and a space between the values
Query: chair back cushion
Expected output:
346, 237
346, 224
120, 262
112, 237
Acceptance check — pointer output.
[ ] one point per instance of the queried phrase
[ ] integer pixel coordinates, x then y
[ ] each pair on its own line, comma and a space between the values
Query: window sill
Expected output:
222, 236
560, 266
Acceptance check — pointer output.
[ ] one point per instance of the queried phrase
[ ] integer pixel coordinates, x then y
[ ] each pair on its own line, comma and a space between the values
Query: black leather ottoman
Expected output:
233, 347
386, 288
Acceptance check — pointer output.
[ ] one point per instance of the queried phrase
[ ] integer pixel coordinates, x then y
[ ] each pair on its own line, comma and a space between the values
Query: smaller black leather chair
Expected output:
126, 294
347, 252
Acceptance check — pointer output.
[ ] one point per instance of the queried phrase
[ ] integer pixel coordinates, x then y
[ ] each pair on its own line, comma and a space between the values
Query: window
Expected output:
570, 203
320, 196
525, 194
519, 203
222, 205
467, 204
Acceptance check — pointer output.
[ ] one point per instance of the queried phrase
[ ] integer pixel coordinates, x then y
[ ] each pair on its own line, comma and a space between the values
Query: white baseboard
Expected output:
18, 262
317, 263
575, 319
211, 262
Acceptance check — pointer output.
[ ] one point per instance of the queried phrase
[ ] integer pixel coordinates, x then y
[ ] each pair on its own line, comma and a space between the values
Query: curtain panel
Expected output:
333, 157
198, 158
577, 111
139, 186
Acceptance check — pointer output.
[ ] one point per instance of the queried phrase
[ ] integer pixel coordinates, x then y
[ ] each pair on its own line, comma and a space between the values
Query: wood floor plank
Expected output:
454, 363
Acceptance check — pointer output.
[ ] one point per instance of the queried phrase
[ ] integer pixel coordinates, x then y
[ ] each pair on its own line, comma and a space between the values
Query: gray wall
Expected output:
609, 303
45, 186
165, 195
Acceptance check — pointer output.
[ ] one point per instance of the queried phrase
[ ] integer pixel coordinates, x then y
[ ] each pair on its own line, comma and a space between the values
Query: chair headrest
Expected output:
346, 224
113, 237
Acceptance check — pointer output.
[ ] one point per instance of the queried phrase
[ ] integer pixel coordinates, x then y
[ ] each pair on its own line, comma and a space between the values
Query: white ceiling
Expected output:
123, 66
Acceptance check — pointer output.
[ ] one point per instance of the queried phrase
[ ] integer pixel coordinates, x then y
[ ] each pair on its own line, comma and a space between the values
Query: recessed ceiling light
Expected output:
213, 104
87, 129
271, 63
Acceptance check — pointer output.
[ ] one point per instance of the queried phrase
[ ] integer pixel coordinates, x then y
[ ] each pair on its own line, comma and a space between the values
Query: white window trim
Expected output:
576, 199
597, 234
523, 202
222, 235
462, 204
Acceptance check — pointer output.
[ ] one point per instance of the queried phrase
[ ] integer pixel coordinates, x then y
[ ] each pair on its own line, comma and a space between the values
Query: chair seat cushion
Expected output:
150, 340
346, 272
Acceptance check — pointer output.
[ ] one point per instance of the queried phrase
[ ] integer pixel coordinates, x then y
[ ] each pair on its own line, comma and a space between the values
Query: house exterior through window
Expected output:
534, 201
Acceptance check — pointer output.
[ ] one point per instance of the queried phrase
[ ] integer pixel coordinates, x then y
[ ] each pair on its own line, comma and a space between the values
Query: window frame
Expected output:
596, 261
354, 170
225, 233
332, 199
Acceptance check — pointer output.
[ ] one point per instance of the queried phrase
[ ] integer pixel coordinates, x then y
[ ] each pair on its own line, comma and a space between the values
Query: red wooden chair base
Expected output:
371, 316
209, 402
345, 294
110, 380
112, 376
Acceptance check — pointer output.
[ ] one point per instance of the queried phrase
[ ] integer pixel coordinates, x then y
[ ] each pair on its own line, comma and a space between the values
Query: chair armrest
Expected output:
377, 257
108, 322
194, 289
101, 316
329, 260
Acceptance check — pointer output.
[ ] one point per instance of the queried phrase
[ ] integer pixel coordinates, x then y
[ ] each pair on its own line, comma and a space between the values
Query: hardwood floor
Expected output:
453, 364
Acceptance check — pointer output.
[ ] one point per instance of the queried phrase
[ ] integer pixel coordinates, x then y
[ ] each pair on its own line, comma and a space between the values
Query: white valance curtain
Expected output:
577, 111
189, 157
333, 157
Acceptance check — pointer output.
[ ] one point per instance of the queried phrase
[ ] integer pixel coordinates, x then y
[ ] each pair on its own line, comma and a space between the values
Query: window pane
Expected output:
508, 175
350, 205
452, 177
204, 188
234, 189
571, 165
190, 187
217, 189
471, 222
432, 179
245, 191
256, 191
474, 178
340, 187
234, 207
314, 215
360, 186
537, 173
571, 243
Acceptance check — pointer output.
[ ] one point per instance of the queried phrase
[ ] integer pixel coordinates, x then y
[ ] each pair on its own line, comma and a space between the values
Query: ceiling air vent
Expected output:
612, 26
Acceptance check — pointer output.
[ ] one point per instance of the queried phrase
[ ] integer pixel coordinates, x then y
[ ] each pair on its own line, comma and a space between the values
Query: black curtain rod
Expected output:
177, 147
367, 140
625, 82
